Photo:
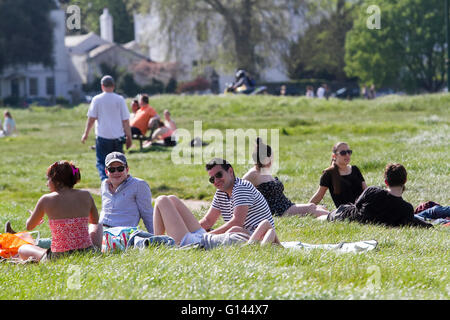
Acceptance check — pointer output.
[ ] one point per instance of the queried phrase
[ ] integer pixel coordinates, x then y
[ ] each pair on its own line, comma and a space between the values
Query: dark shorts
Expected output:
169, 142
49, 255
136, 131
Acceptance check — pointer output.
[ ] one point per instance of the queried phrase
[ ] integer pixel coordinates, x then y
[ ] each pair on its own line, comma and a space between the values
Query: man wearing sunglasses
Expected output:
125, 199
240, 204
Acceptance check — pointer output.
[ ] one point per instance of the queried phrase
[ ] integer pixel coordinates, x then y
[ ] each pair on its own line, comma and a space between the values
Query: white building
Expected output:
36, 80
193, 52
78, 61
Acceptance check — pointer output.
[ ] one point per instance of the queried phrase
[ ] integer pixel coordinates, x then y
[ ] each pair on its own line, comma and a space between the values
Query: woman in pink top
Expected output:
69, 212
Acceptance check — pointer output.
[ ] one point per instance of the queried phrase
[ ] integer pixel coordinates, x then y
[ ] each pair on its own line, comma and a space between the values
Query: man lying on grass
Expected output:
379, 206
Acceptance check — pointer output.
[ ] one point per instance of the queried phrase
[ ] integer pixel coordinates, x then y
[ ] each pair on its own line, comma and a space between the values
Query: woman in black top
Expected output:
344, 181
272, 189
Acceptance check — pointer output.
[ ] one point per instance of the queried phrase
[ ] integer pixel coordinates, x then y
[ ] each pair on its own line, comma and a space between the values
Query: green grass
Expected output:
409, 263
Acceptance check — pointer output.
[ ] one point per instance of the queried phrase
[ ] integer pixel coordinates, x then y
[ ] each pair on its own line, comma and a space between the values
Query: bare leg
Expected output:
158, 223
264, 233
189, 219
153, 125
167, 214
269, 237
159, 132
304, 209
28, 250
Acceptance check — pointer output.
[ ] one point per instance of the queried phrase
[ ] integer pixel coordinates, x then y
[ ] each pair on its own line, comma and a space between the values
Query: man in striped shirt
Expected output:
240, 204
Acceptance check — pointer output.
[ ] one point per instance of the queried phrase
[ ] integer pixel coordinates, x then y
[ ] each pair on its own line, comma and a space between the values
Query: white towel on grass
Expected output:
355, 247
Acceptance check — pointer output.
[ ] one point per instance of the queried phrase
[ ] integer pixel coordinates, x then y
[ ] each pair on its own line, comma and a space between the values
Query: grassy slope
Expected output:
409, 263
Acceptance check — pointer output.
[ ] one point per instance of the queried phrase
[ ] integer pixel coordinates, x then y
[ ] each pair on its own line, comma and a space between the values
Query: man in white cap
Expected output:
112, 115
125, 199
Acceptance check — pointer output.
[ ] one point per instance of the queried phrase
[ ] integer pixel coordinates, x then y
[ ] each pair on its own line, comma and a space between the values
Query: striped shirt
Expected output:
243, 194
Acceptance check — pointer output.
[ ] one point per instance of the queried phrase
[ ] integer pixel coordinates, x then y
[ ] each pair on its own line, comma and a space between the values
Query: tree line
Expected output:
408, 51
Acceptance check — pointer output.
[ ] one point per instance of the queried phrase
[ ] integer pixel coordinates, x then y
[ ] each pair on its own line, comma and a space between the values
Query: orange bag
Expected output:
10, 243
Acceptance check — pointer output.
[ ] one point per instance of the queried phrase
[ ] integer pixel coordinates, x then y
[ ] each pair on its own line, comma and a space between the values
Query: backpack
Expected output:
116, 238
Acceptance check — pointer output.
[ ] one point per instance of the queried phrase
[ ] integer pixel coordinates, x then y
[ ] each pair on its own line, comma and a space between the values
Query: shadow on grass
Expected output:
153, 148
164, 189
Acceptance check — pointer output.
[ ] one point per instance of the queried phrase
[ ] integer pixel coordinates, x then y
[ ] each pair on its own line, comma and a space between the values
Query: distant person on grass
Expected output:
344, 181
272, 189
134, 109
139, 125
165, 132
9, 125
382, 206
125, 199
70, 212
113, 128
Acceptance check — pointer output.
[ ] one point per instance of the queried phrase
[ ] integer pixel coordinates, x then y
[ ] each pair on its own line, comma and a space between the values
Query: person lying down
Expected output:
171, 216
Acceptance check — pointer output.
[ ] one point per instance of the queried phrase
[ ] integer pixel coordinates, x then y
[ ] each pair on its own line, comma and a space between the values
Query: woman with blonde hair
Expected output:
344, 181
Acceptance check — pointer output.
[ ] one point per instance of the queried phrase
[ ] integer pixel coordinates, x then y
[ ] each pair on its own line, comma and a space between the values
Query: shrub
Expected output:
199, 84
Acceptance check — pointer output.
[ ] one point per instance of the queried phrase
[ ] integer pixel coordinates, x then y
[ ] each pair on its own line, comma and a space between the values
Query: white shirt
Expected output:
110, 110
321, 92
9, 126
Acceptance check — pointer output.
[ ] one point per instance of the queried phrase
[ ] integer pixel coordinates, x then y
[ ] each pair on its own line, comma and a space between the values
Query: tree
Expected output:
26, 34
407, 51
319, 53
91, 10
250, 30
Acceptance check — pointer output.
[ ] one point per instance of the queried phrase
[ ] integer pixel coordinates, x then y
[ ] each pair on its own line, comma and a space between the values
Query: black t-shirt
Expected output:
351, 186
376, 205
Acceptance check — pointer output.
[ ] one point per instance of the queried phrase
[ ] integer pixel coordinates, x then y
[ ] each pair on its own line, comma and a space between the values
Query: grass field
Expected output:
409, 263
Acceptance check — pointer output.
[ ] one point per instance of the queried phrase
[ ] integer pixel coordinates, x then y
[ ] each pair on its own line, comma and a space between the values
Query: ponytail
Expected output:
261, 154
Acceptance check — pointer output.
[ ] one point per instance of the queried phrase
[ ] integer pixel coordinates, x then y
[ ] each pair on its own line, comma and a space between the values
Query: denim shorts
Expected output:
192, 237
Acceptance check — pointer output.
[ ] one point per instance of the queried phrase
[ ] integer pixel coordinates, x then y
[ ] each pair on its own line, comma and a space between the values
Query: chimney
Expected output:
106, 26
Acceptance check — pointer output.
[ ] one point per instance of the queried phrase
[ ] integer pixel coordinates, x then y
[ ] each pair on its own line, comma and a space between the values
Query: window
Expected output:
50, 86
33, 86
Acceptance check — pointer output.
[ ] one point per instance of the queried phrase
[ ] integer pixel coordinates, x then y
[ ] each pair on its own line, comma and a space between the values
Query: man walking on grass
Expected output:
111, 113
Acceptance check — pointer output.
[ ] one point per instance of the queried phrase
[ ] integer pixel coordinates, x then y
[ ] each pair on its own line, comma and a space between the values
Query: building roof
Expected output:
73, 41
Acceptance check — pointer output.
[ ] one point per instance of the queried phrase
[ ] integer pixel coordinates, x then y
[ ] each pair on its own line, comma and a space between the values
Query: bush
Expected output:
199, 84
62, 101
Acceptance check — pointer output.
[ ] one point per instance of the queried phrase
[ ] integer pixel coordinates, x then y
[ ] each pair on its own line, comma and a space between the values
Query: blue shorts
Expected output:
192, 237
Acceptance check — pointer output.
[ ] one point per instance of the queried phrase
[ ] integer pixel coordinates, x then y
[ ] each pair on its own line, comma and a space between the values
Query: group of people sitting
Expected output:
246, 205
144, 118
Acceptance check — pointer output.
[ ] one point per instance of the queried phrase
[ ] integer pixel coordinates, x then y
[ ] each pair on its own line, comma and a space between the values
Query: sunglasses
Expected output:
113, 169
344, 152
218, 175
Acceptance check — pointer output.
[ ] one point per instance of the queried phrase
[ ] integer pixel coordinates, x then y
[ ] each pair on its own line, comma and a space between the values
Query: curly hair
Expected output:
63, 174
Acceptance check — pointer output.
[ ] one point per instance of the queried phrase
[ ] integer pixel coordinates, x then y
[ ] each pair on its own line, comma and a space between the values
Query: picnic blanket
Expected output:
353, 247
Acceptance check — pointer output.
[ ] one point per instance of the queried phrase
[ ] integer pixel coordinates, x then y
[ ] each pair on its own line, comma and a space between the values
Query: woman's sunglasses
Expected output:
218, 175
113, 169
344, 152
